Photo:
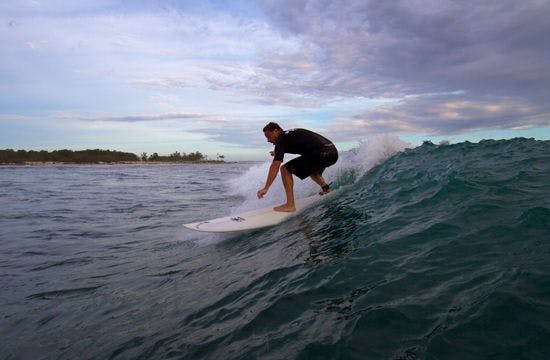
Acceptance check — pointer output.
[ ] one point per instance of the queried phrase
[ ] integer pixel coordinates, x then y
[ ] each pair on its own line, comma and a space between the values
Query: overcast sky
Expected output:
145, 76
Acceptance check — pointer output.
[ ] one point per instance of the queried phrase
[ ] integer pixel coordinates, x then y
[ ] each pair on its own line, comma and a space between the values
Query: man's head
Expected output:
272, 132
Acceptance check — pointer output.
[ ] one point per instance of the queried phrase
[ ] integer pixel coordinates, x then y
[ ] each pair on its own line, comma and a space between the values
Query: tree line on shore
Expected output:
96, 156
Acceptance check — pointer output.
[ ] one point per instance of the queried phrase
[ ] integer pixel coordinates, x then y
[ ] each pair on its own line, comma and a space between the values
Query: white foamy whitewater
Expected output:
351, 166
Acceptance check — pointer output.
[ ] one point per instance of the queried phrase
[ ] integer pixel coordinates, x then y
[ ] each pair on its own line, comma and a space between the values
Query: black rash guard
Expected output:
299, 141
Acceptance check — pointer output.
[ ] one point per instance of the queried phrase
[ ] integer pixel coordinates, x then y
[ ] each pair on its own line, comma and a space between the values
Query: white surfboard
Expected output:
254, 219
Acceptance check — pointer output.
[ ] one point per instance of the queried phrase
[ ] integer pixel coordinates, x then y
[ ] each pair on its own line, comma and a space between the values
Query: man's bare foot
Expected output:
325, 189
285, 208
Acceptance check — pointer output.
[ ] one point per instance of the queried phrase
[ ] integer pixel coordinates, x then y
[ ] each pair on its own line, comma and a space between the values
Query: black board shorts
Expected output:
314, 162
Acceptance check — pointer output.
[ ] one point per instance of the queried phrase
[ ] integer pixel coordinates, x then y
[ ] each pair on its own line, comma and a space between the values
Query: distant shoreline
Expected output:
56, 163
99, 156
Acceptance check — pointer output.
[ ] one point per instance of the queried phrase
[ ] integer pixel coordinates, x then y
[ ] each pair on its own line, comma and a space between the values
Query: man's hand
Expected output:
273, 170
262, 192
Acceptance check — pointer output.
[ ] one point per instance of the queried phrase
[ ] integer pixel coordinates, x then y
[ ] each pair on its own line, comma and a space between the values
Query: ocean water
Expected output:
435, 252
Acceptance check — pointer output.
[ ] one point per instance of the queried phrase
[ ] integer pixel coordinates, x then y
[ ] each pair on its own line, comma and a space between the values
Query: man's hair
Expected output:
272, 126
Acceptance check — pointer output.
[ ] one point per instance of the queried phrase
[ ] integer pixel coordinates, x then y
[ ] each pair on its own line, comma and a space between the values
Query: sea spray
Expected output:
352, 165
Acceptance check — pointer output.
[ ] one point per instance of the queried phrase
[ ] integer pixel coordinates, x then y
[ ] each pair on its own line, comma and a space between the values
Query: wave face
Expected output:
437, 252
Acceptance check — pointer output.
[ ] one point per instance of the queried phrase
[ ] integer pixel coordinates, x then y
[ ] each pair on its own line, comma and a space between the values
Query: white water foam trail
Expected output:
359, 160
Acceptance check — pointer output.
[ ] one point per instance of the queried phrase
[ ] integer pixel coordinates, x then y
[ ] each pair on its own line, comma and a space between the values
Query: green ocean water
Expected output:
436, 252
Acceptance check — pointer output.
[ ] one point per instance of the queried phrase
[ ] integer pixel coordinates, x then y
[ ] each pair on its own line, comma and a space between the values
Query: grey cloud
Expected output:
425, 46
161, 117
165, 82
487, 50
442, 114
245, 133
237, 135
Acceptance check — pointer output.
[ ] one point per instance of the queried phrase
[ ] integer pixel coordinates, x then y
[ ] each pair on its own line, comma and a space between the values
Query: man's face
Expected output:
272, 136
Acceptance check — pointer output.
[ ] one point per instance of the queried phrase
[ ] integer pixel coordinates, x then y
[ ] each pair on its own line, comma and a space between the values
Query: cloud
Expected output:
421, 46
147, 118
14, 117
473, 53
441, 114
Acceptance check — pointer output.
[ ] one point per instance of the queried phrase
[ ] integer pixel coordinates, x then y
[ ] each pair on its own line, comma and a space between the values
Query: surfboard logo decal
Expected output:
238, 219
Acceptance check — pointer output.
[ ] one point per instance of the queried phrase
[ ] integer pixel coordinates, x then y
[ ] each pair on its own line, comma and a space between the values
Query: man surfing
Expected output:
317, 153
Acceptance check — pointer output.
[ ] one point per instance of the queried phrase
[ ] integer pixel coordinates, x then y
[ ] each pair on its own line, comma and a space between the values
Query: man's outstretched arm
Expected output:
271, 175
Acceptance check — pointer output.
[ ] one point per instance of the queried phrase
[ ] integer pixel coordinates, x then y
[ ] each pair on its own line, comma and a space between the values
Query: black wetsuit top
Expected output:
299, 141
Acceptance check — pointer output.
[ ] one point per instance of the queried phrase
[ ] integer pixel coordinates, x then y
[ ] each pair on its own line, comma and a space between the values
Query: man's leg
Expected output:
320, 181
288, 183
